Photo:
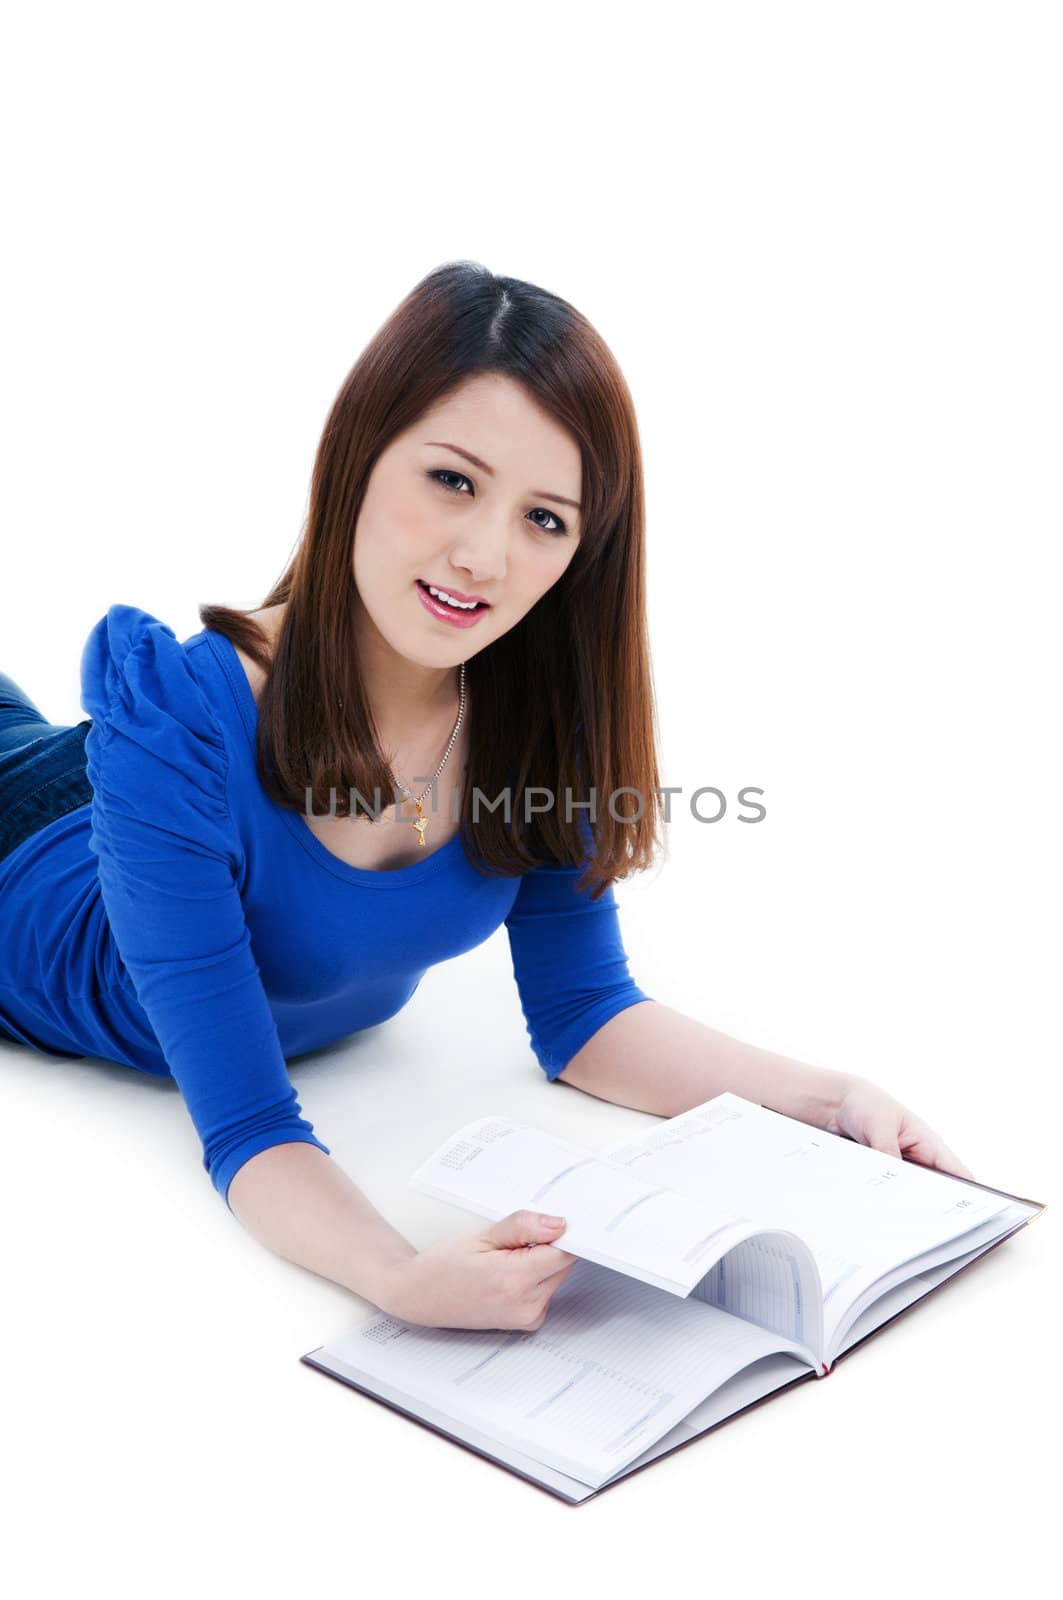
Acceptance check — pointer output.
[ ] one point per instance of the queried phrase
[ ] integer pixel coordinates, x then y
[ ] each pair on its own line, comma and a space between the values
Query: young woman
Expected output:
262, 837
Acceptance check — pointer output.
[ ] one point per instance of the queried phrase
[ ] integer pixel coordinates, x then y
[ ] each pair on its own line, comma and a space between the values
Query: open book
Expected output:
725, 1254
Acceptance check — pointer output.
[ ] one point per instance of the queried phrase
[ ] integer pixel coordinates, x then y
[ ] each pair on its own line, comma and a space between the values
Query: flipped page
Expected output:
781, 1223
643, 1229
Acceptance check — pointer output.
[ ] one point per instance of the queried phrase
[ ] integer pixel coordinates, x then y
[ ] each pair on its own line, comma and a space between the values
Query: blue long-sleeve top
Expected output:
185, 924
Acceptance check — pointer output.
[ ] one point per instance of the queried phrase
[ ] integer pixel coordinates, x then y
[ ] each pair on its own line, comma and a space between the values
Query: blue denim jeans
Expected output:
42, 770
42, 767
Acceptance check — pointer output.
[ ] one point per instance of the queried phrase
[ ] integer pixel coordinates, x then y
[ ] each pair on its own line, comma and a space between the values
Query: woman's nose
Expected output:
483, 553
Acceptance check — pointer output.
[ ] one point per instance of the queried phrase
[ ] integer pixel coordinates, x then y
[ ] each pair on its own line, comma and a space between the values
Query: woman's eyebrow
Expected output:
544, 494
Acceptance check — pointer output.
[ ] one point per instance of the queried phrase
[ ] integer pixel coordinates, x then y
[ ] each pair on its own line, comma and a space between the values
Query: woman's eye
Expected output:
558, 527
444, 472
438, 474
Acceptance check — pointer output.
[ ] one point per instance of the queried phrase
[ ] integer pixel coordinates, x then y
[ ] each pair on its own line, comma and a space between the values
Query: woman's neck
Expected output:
413, 708
408, 701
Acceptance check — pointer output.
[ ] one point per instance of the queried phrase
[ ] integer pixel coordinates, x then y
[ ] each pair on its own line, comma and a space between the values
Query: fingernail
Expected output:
550, 1222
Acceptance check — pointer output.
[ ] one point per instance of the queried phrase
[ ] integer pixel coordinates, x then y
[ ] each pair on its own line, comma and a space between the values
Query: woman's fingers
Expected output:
923, 1145
546, 1261
948, 1161
562, 1271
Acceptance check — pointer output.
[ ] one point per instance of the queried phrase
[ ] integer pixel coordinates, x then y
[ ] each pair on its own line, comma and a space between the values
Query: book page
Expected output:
917, 1276
615, 1366
615, 1218
860, 1211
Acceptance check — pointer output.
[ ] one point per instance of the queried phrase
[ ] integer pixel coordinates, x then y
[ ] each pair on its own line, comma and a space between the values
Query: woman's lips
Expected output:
445, 613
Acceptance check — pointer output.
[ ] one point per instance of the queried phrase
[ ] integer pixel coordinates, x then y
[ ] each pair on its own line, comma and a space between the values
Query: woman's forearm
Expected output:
655, 1059
299, 1203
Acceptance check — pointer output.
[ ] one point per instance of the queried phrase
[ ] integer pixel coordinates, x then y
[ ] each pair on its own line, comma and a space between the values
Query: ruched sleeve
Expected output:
569, 962
167, 855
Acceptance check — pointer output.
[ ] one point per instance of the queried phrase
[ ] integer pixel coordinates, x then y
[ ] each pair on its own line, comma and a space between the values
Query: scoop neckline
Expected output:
375, 877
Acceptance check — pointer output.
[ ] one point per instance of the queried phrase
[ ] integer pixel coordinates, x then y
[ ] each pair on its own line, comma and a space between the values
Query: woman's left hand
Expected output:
871, 1116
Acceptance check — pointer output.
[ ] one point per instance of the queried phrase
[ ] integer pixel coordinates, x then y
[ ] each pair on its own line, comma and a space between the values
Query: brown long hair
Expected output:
563, 700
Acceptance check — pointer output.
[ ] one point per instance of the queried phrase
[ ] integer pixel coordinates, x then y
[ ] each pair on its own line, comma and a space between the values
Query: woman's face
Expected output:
501, 529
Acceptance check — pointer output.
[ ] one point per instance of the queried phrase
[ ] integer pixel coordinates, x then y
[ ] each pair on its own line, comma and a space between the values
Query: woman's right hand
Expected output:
500, 1276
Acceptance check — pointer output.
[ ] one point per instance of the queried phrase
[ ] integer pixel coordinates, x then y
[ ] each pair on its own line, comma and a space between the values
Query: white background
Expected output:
823, 242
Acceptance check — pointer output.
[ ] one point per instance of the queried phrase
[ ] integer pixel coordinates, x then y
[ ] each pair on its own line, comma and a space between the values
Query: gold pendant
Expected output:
420, 822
